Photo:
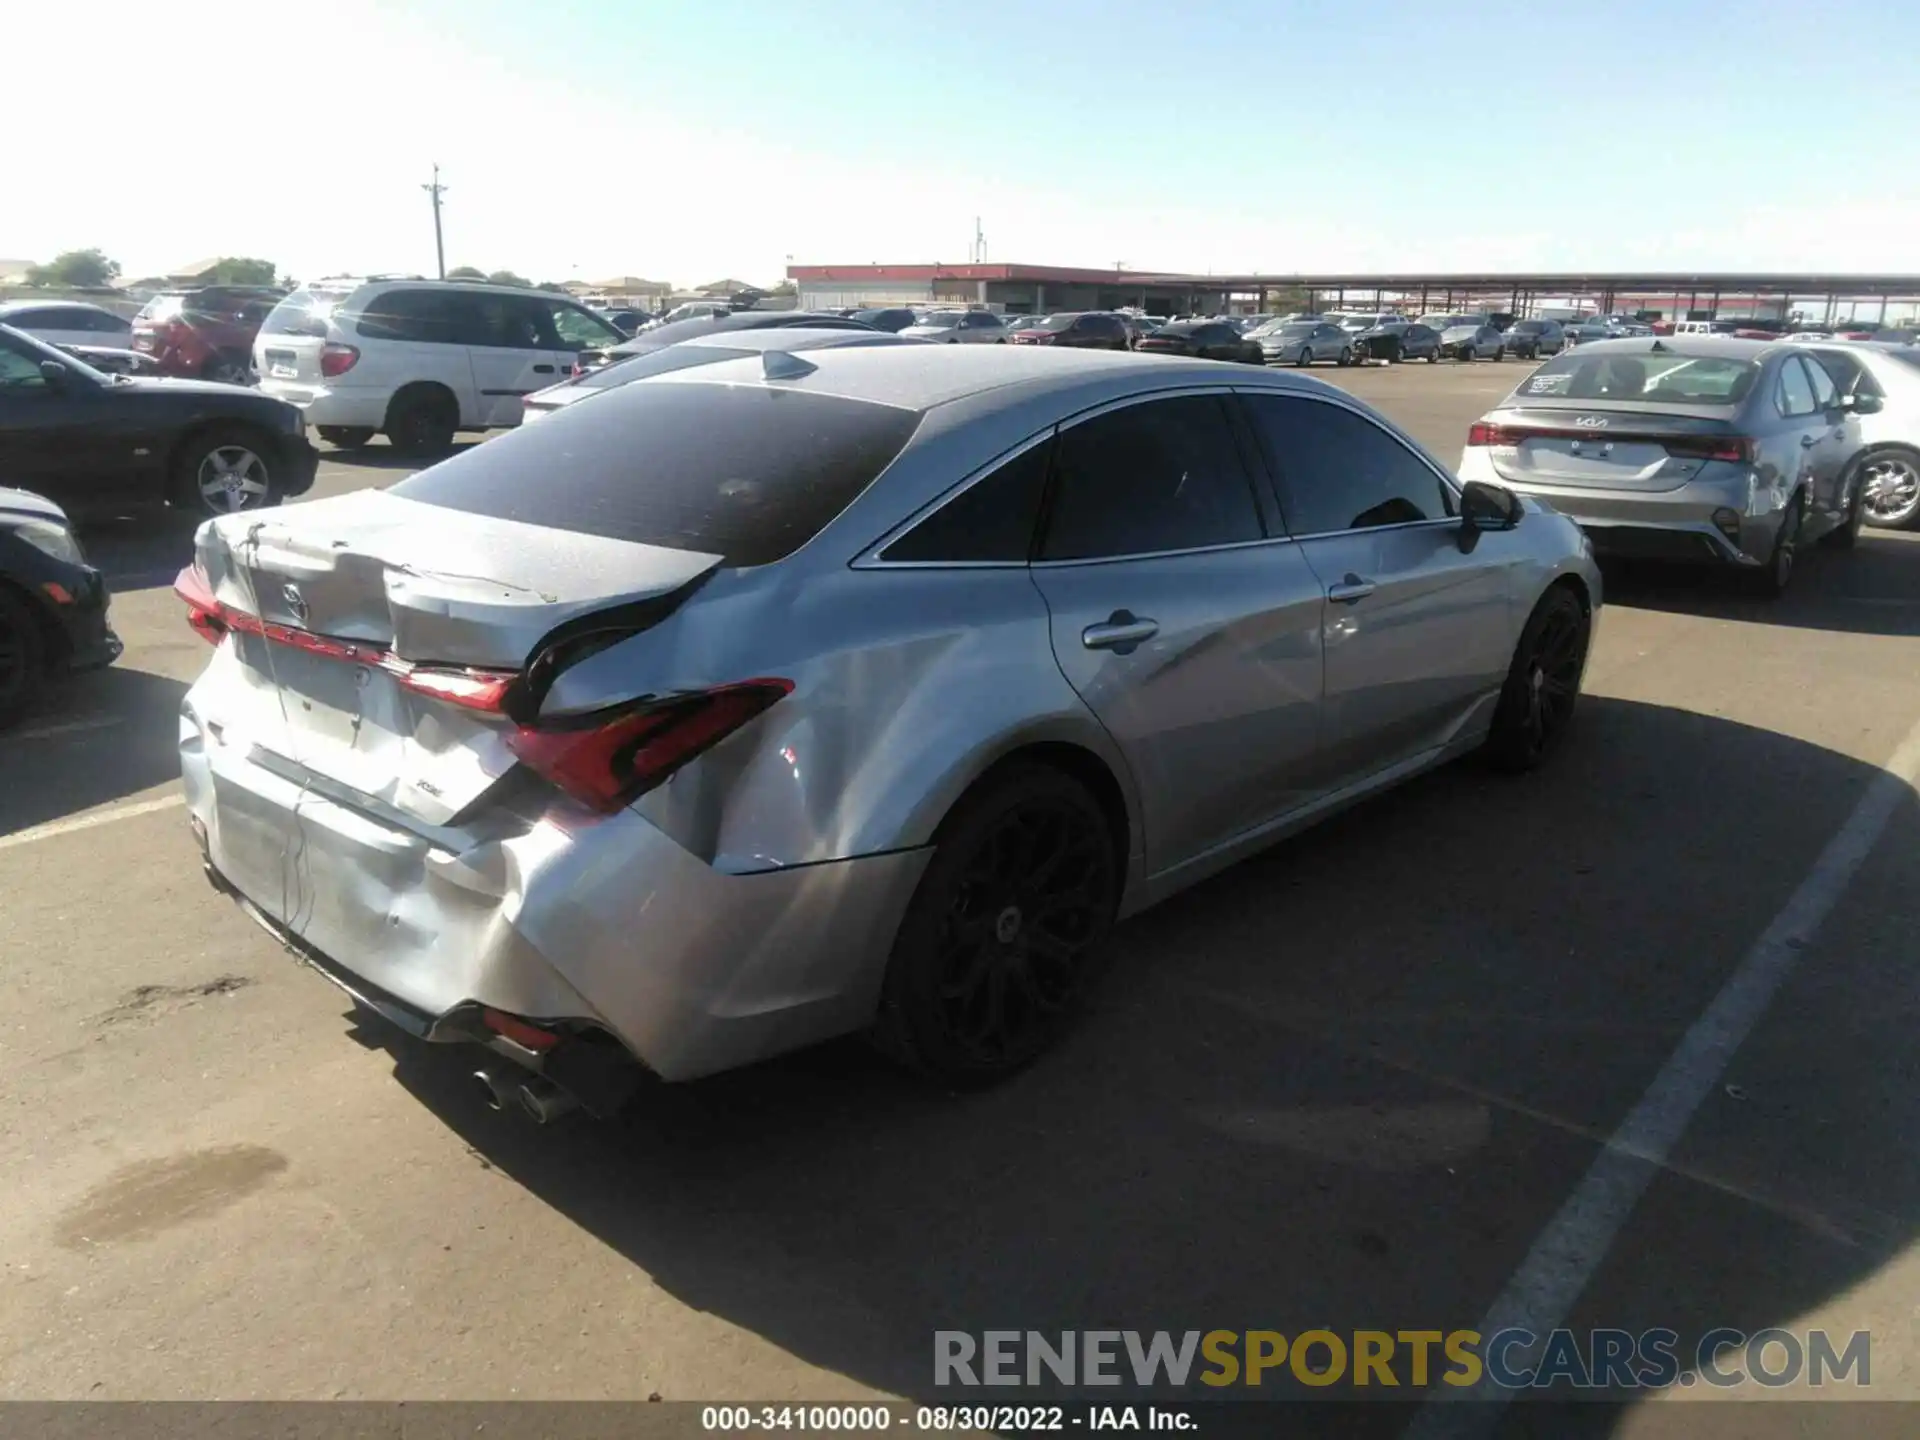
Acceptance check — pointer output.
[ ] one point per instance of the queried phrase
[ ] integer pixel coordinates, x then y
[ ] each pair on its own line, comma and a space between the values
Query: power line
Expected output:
436, 189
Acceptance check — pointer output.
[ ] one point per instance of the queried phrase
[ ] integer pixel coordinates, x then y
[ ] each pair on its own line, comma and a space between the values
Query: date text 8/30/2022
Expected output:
963, 1419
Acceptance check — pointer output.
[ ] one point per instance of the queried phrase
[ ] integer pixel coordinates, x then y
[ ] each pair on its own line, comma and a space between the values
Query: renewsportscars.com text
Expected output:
1511, 1359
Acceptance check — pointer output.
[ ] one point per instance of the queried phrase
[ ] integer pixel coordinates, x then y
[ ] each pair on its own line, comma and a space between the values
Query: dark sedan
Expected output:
892, 320
92, 439
53, 604
659, 337
1206, 339
1397, 340
1089, 330
1530, 339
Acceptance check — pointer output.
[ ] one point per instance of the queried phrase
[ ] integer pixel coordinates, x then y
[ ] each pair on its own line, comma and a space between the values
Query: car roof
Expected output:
922, 377
1725, 346
15, 307
790, 337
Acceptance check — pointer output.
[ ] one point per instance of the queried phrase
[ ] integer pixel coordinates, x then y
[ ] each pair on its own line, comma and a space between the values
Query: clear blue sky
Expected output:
689, 140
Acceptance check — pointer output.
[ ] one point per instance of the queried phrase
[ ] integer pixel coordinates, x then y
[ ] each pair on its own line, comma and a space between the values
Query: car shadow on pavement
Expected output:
1342, 1085
139, 551
378, 455
1873, 589
101, 737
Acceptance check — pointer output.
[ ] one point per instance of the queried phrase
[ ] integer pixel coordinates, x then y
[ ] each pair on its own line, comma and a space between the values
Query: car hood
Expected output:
167, 385
25, 505
1459, 332
929, 330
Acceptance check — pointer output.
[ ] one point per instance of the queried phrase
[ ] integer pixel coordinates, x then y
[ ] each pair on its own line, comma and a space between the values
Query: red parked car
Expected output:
204, 333
1084, 330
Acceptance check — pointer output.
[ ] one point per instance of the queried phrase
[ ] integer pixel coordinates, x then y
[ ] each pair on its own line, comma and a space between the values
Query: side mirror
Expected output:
55, 373
1862, 404
1486, 507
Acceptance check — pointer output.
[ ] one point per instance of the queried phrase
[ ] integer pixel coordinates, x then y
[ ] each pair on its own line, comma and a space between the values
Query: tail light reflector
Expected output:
213, 620
1480, 434
1738, 449
337, 359
608, 764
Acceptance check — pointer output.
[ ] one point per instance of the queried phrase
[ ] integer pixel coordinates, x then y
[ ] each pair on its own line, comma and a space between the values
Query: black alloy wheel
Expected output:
1543, 684
995, 954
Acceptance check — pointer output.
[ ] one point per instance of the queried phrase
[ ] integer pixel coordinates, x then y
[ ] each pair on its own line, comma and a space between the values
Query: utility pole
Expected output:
436, 190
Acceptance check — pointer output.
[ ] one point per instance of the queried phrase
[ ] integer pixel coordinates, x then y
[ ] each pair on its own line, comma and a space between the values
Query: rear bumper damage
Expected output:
591, 928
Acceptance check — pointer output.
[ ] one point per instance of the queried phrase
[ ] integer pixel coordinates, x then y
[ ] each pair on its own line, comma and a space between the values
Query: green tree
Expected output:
507, 277
75, 267
466, 272
553, 286
239, 270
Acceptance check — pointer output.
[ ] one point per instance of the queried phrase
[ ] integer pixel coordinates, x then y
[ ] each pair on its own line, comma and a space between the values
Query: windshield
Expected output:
45, 352
1530, 327
1051, 322
1663, 379
942, 319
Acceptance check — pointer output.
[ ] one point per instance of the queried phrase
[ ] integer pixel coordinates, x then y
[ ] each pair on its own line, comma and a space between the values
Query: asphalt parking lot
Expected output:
1344, 1085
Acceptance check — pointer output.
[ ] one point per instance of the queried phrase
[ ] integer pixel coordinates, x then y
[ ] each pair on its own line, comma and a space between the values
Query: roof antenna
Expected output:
1657, 348
782, 365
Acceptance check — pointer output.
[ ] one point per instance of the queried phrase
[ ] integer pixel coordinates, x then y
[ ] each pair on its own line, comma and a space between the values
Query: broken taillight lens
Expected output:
607, 764
469, 688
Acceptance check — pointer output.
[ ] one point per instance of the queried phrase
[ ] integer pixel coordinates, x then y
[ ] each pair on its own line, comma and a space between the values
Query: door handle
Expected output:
1809, 441
543, 369
1350, 589
1121, 632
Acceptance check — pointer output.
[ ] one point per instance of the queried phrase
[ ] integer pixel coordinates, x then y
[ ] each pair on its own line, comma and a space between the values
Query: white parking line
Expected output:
69, 727
1566, 1254
55, 828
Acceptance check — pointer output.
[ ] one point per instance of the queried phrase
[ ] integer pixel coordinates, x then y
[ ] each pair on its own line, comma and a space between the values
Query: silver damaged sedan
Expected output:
793, 696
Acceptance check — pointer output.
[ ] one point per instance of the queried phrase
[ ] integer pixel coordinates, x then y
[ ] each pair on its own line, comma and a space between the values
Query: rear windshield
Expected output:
1053, 322
162, 307
1668, 379
626, 368
746, 472
304, 312
1530, 327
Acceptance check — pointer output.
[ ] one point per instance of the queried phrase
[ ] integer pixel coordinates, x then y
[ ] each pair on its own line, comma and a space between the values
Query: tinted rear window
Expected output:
1665, 379
304, 312
740, 471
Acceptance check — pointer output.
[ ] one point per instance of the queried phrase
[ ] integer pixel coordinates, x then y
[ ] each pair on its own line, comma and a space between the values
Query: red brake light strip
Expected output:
472, 689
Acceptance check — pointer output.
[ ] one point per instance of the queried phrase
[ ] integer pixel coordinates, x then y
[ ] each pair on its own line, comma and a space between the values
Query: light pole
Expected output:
436, 190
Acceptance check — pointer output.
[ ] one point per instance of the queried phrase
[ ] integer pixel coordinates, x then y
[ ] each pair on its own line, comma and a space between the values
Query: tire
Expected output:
347, 437
228, 370
1543, 684
22, 658
422, 423
1770, 582
1345, 358
1847, 535
1500, 355
1890, 488
1306, 357
223, 471
1433, 356
963, 951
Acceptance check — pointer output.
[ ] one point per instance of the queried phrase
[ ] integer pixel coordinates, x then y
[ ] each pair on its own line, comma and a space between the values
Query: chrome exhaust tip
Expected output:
544, 1102
494, 1091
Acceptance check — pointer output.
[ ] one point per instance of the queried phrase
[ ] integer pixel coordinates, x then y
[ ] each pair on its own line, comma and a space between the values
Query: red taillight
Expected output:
203, 611
605, 766
1735, 448
471, 689
1482, 434
337, 359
